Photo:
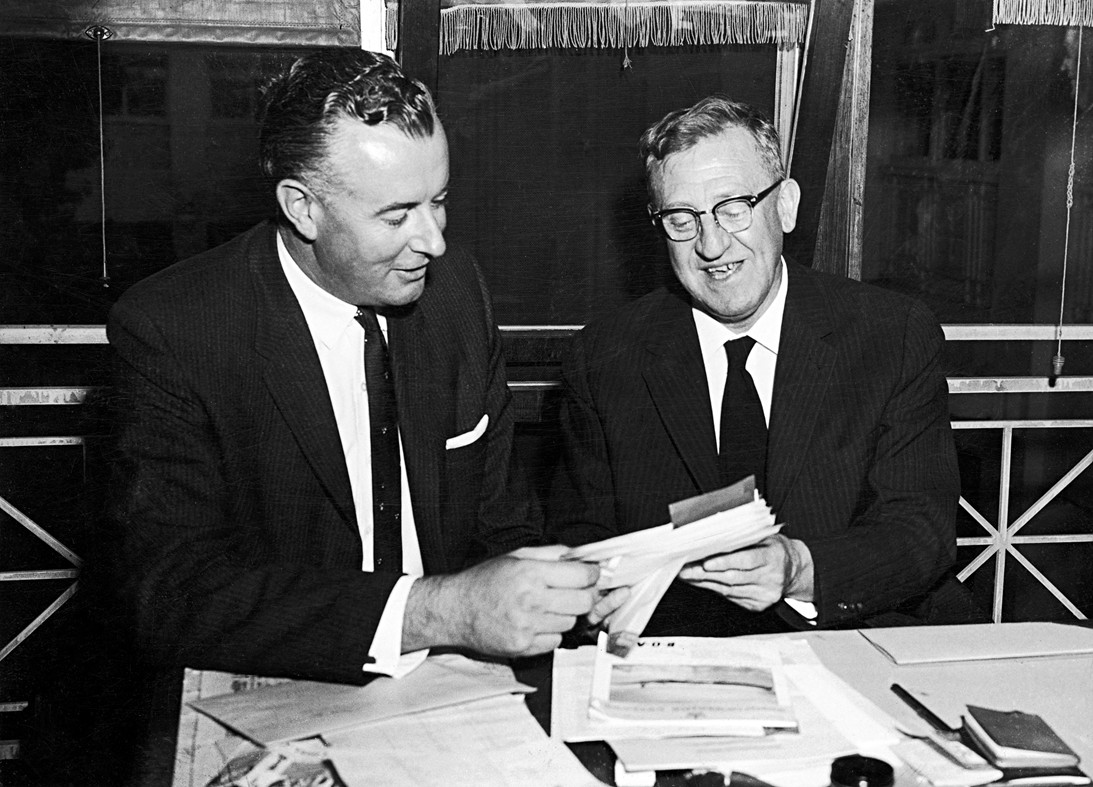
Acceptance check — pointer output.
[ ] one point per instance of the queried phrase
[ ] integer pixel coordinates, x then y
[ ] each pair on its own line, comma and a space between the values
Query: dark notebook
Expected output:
1013, 739
1024, 747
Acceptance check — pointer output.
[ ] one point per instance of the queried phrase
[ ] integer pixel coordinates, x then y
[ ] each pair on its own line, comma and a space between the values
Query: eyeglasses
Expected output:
732, 215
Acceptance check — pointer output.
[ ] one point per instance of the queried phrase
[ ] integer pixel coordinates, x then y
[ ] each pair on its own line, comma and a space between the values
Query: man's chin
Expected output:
405, 296
724, 312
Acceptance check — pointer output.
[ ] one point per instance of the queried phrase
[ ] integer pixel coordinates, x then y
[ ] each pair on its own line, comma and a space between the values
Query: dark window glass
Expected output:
547, 188
181, 174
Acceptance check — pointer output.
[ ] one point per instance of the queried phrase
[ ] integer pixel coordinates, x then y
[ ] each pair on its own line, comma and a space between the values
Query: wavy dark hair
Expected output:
301, 107
682, 129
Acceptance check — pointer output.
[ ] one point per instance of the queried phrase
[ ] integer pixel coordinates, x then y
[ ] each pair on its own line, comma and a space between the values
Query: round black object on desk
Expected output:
857, 771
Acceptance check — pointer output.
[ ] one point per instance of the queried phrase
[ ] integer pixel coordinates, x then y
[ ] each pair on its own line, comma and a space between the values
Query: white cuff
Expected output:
386, 651
806, 609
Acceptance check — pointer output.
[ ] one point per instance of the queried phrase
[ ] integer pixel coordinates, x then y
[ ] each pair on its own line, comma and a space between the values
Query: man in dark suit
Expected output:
849, 434
262, 530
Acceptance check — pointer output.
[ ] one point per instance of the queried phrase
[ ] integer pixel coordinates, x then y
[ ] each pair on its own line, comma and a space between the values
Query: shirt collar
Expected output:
326, 316
767, 330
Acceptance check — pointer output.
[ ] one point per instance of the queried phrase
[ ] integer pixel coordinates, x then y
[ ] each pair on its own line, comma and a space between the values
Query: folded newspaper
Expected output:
647, 561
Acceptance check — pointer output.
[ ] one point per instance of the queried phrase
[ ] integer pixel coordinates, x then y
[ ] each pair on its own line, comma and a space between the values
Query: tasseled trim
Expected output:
616, 23
1043, 12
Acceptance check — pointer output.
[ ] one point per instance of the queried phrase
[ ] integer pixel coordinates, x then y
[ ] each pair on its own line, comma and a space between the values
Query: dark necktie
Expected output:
383, 422
743, 449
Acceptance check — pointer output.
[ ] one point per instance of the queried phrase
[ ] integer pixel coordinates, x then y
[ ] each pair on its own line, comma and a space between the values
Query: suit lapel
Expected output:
676, 379
805, 363
294, 376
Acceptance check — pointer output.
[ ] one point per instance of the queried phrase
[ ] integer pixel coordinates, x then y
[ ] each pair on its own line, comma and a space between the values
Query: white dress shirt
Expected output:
762, 361
339, 341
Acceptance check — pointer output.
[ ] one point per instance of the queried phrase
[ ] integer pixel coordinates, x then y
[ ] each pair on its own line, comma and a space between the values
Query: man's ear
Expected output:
789, 197
300, 206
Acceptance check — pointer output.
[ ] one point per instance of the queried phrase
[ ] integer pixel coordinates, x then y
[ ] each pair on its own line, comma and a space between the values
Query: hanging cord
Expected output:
1058, 360
98, 34
626, 62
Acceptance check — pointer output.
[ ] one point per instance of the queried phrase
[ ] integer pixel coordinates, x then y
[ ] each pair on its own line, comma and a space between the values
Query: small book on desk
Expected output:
1024, 747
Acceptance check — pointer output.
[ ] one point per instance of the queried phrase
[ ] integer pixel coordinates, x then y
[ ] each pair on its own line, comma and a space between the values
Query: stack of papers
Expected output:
832, 719
647, 561
453, 721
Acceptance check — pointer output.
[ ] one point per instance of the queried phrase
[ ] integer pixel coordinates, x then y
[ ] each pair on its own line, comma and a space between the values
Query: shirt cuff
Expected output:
385, 655
806, 609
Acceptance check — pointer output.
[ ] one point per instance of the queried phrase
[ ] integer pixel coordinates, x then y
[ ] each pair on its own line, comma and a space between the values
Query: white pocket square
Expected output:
467, 438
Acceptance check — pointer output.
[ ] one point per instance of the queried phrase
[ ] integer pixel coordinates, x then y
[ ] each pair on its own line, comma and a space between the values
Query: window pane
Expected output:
969, 146
547, 189
181, 173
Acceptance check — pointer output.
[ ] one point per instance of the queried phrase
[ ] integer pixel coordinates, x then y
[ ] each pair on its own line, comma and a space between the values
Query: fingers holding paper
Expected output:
513, 605
606, 604
758, 576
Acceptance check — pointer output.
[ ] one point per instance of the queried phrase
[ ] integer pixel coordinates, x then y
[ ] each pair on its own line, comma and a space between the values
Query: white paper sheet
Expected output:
302, 709
717, 522
492, 742
984, 641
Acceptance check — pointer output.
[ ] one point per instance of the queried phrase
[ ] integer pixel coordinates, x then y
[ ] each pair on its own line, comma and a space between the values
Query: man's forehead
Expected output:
381, 141
731, 156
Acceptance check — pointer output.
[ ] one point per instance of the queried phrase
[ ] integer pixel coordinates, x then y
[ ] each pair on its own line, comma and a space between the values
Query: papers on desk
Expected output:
831, 718
492, 742
690, 686
647, 561
453, 721
301, 709
984, 641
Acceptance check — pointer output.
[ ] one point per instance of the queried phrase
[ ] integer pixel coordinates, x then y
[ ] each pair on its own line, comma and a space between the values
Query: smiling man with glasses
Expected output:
828, 391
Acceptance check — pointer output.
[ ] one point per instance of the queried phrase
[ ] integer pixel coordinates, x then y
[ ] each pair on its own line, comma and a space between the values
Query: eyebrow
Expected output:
409, 205
397, 206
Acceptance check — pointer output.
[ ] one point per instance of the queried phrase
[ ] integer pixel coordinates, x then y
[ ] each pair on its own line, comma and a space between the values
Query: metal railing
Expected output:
1001, 541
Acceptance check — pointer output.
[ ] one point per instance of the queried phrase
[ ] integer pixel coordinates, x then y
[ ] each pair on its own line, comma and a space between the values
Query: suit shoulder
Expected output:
631, 322
868, 304
191, 285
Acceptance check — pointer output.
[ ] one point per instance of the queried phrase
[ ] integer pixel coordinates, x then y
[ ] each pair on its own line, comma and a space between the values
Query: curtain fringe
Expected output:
1043, 12
609, 26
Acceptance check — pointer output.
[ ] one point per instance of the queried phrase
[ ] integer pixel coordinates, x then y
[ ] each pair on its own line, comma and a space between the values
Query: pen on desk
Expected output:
923, 712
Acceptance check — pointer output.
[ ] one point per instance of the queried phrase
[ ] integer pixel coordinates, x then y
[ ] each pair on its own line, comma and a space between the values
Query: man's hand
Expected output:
605, 606
514, 605
759, 576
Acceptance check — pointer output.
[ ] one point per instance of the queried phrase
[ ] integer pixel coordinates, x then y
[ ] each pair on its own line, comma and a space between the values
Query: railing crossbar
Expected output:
37, 530
979, 518
1047, 583
979, 560
22, 576
1052, 493
45, 615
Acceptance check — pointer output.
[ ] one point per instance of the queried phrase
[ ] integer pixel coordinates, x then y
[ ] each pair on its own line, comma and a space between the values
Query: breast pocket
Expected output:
465, 461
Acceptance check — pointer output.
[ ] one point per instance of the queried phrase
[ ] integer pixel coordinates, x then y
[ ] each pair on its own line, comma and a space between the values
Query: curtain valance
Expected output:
465, 24
311, 23
514, 24
1044, 12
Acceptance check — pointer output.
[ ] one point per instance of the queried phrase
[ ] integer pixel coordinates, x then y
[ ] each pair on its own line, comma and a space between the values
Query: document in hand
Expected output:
690, 687
647, 561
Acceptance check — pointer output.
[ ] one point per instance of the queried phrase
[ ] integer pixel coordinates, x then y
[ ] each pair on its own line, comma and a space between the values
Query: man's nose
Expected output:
712, 241
430, 234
